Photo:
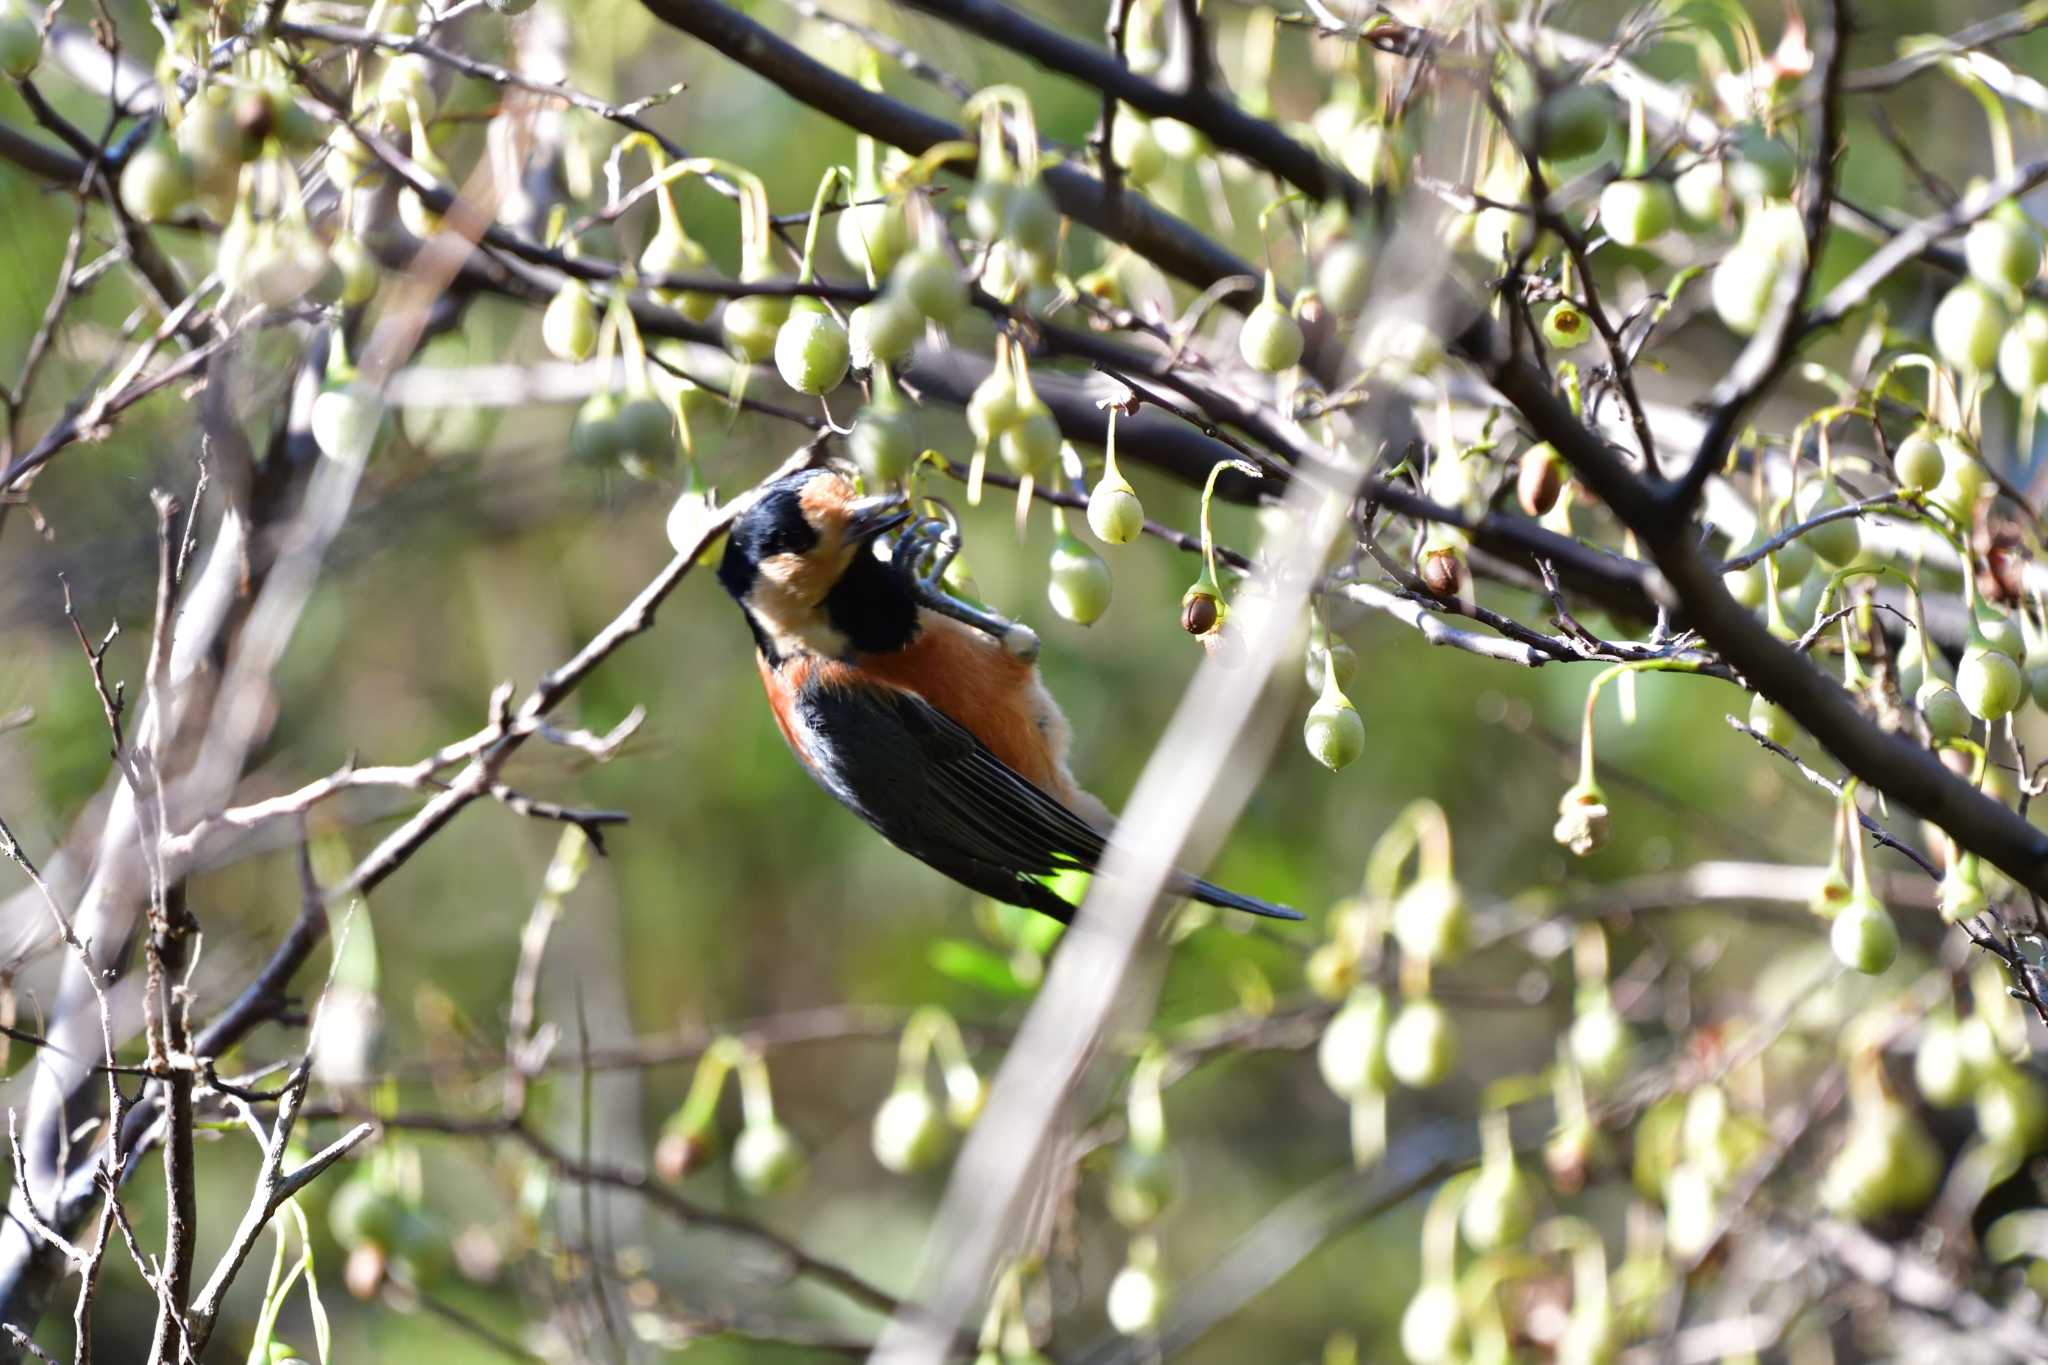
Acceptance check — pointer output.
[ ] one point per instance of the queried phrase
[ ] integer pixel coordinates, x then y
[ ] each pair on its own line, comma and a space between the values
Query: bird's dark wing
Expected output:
935, 791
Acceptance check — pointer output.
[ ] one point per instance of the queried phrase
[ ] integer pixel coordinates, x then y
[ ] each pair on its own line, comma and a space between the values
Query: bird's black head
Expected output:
801, 563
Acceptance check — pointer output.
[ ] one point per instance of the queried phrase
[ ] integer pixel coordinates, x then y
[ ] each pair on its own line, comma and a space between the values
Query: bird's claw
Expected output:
926, 550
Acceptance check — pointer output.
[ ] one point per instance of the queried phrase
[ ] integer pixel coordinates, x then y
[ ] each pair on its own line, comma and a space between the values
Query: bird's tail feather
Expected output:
1211, 894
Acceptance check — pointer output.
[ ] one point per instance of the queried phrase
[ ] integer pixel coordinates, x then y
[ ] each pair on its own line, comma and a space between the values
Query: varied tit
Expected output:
925, 727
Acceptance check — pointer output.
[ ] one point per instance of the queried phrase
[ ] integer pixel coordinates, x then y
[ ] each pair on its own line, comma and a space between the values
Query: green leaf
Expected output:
973, 965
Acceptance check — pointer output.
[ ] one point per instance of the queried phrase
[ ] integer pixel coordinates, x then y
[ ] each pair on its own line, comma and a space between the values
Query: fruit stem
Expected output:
757, 1100
1368, 1128
1962, 69
1440, 1231
1637, 160
1146, 1113
700, 1106
826, 184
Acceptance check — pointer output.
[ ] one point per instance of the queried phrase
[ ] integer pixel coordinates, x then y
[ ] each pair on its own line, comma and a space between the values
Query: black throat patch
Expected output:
872, 606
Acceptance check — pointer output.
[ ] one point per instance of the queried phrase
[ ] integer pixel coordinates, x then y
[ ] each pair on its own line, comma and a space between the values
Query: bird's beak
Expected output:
867, 518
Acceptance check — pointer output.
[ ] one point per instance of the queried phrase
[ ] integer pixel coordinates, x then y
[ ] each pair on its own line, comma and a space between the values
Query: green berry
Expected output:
909, 1133
1864, 937
2003, 252
811, 349
1573, 122
21, 42
671, 252
1422, 1045
594, 436
1989, 683
884, 329
2023, 353
1352, 1052
1635, 212
1080, 583
1702, 193
1114, 512
1918, 461
1333, 731
569, 326
1840, 541
1760, 166
928, 278
1270, 340
1431, 919
767, 1159
1968, 325
1946, 715
1031, 443
157, 183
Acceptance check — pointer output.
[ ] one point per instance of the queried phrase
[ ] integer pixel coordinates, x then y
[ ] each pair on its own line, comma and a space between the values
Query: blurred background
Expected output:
740, 896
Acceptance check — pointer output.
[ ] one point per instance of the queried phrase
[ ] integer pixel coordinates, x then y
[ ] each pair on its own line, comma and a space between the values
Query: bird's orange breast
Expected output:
964, 674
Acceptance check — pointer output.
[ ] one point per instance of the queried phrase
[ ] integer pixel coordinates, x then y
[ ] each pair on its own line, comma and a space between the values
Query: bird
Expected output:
942, 739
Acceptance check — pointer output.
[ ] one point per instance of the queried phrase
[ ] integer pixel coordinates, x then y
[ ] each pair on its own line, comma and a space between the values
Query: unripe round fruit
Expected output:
157, 181
1760, 166
1702, 193
1989, 683
569, 326
1889, 1165
673, 253
1433, 1326
909, 1132
212, 142
1748, 585
1373, 153
1689, 1209
1742, 287
1969, 322
1422, 1045
1500, 234
1031, 443
1270, 340
1942, 1071
21, 42
1864, 937
2023, 353
2012, 1111
1136, 149
1431, 920
594, 435
988, 206
1114, 512
752, 326
360, 273
1333, 731
2000, 632
2003, 253
363, 1211
1918, 461
884, 329
407, 83
647, 437
1794, 560
1962, 480
766, 1159
1637, 211
346, 423
1600, 1042
928, 278
348, 162
811, 350
1080, 584
1352, 1054
1943, 709
1573, 122
1771, 721
1137, 1299
1032, 224
1838, 542
995, 405
1498, 1208
1141, 1185
873, 234
1344, 275
884, 442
